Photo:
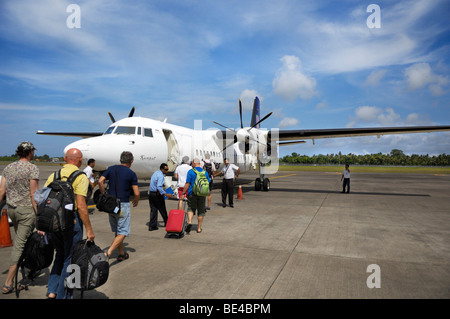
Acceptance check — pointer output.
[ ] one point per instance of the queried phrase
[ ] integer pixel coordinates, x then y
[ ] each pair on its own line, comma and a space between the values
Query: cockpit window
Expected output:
110, 129
130, 130
148, 132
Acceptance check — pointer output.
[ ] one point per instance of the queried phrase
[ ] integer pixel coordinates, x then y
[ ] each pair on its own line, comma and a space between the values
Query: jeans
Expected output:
64, 243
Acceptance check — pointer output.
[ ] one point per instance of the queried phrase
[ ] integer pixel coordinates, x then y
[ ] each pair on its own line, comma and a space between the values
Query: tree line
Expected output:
43, 158
395, 157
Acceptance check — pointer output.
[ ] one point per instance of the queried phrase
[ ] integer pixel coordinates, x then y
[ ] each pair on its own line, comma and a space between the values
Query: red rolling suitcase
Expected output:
176, 223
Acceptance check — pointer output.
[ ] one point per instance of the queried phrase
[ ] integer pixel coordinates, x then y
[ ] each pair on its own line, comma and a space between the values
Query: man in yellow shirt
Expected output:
64, 241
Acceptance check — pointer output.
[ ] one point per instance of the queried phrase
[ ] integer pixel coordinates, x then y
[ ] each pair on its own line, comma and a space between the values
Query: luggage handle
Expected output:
86, 241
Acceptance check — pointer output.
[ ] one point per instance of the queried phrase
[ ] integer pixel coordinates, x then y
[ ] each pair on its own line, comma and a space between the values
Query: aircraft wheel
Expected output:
266, 185
258, 184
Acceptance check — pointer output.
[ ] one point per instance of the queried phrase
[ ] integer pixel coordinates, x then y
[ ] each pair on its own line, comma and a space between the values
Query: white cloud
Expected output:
322, 105
420, 75
375, 77
291, 82
344, 43
372, 115
288, 121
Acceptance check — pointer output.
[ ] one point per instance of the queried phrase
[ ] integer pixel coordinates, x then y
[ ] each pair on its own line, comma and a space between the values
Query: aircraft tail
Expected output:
256, 113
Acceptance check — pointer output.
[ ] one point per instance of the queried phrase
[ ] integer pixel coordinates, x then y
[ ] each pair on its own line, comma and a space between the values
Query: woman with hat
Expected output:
20, 181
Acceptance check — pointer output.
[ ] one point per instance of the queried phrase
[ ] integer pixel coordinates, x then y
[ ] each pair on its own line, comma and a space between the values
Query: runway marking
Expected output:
282, 176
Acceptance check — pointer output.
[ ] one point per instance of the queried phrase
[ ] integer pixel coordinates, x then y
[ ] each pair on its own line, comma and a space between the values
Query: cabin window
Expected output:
148, 132
129, 130
139, 131
110, 129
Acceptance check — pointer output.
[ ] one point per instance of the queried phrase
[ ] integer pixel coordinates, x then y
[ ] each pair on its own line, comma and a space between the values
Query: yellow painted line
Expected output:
282, 176
92, 206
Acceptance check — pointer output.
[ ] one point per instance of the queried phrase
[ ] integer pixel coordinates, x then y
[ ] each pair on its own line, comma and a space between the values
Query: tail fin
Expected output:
256, 113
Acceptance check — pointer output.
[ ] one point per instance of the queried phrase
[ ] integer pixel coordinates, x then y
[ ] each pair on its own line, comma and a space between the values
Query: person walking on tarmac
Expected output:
229, 176
89, 171
122, 178
180, 174
195, 203
156, 197
210, 168
20, 180
65, 241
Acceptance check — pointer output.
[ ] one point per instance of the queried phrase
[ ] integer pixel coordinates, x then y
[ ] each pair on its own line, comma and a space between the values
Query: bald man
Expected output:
64, 242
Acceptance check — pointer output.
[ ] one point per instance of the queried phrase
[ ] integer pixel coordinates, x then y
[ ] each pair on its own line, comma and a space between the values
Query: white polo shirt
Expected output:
182, 172
346, 173
228, 171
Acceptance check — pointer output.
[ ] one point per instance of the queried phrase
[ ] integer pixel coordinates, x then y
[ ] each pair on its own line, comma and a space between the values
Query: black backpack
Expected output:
37, 255
57, 212
208, 169
94, 268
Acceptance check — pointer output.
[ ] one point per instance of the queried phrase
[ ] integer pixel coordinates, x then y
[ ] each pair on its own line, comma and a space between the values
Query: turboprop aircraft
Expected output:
154, 142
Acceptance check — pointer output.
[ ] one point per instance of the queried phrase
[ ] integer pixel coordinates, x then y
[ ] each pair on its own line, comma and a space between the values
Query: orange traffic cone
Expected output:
239, 196
5, 235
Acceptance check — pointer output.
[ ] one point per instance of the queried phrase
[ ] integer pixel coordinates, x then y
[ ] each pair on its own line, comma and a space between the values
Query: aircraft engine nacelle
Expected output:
252, 141
248, 140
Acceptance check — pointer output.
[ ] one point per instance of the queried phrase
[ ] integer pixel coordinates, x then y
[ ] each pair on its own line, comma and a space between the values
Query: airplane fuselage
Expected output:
154, 142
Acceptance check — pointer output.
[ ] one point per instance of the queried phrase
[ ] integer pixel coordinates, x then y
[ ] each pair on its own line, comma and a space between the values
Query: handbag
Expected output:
108, 203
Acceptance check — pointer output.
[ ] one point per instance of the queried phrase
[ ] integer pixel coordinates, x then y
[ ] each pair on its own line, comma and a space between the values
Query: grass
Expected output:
369, 169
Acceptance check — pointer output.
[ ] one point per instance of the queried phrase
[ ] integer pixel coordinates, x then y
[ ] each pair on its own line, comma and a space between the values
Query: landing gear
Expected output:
262, 185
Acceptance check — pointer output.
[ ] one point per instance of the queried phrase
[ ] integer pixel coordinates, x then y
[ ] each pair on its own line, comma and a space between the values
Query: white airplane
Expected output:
154, 142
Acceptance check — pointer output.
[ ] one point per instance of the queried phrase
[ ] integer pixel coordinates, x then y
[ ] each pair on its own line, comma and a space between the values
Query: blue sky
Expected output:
315, 64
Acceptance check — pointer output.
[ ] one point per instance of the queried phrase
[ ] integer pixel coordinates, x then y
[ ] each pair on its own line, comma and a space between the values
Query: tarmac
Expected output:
389, 238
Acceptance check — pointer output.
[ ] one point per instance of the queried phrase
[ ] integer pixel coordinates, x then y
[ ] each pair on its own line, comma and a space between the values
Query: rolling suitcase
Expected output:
176, 223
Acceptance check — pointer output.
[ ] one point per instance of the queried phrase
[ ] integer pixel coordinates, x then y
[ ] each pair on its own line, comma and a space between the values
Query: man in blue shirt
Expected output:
124, 180
195, 202
156, 197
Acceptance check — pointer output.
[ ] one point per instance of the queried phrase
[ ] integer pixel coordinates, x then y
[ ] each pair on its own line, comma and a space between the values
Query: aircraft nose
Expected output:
78, 144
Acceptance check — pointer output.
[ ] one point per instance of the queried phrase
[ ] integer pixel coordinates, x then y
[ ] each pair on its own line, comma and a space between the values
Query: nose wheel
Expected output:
262, 184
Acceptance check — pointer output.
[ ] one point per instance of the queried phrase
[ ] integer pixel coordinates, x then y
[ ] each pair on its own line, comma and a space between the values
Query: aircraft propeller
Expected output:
129, 115
247, 136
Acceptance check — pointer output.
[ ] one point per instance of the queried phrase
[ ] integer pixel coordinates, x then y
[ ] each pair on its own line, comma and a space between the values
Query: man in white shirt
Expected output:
229, 175
346, 177
89, 171
180, 174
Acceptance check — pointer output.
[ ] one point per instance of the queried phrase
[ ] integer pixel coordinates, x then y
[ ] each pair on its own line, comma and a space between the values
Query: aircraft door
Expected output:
173, 150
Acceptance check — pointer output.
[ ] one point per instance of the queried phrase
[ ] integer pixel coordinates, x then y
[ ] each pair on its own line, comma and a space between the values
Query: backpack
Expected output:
56, 203
201, 184
94, 268
37, 255
208, 169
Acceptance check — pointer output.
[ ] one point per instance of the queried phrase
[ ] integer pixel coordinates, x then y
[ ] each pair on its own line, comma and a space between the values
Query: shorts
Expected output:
180, 192
120, 223
197, 203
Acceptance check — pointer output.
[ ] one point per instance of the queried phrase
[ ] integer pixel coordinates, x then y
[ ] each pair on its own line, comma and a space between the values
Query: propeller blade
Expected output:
223, 126
265, 117
111, 117
131, 112
240, 112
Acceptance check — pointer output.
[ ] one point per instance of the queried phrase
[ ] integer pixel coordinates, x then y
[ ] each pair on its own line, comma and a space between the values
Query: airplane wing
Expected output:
294, 135
73, 134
